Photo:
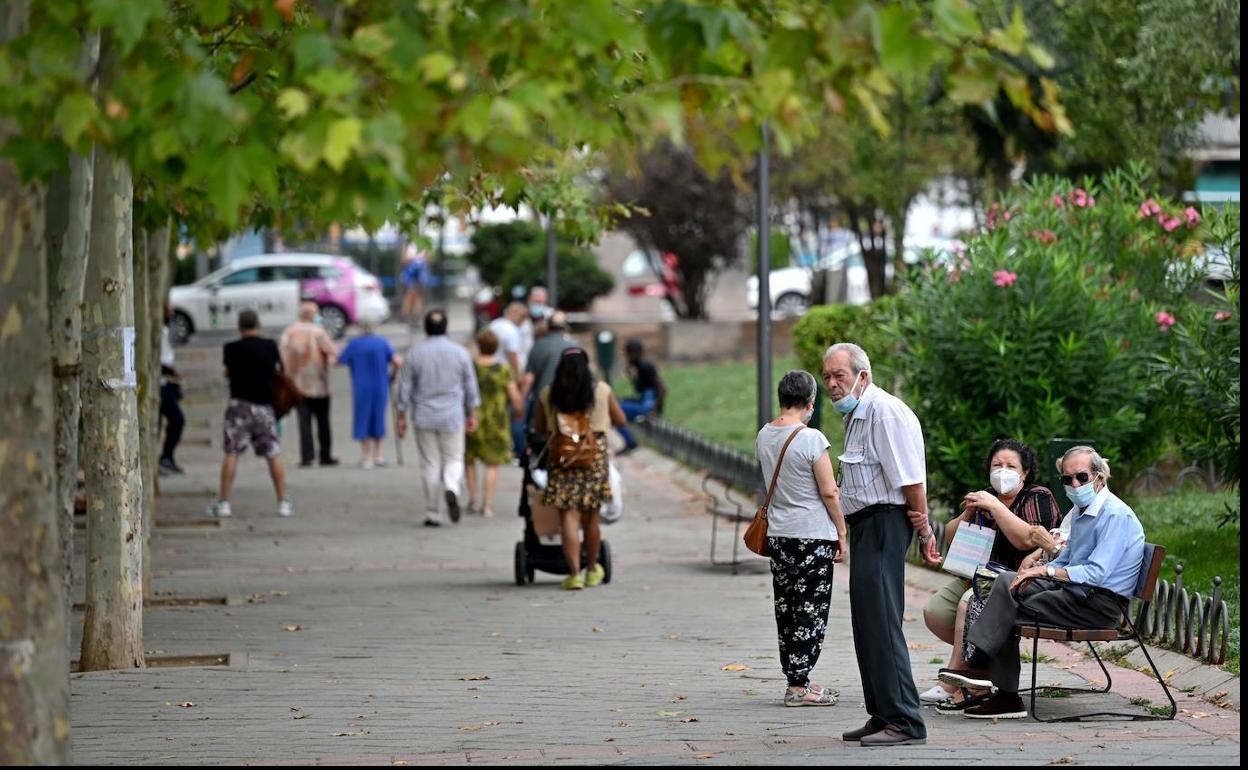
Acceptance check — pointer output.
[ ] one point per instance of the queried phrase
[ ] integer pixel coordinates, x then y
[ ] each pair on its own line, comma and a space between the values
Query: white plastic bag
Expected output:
613, 509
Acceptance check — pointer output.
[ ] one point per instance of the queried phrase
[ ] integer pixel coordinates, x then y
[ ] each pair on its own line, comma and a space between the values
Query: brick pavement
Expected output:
396, 621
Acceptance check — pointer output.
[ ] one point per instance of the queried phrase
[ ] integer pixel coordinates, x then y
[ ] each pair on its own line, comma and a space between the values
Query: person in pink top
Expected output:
307, 354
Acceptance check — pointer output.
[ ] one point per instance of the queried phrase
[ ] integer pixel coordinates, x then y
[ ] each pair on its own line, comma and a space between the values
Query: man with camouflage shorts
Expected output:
251, 365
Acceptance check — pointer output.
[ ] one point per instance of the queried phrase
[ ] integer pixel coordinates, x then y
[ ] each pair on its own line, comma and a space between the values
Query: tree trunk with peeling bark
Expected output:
113, 630
34, 665
143, 369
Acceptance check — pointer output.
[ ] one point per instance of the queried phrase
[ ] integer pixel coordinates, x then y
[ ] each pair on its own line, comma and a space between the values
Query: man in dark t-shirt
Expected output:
650, 390
251, 365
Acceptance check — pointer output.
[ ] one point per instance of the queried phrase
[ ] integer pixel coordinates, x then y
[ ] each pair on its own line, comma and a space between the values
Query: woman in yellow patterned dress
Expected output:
490, 443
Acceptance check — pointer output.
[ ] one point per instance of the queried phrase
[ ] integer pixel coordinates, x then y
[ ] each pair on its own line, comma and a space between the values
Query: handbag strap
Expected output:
775, 475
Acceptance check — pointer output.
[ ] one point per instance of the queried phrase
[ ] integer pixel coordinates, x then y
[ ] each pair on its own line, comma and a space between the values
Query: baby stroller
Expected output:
532, 554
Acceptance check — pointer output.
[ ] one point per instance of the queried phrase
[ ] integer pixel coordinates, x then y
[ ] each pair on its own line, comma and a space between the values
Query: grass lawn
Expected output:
717, 401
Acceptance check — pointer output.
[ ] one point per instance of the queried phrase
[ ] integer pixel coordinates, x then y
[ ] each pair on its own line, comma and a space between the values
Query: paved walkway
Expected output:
359, 637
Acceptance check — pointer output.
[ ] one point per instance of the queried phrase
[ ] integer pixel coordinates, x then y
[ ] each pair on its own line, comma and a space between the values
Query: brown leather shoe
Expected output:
870, 728
891, 736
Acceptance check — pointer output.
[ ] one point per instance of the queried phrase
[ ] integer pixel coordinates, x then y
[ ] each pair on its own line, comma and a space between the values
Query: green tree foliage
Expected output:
1047, 327
868, 326
1135, 78
495, 246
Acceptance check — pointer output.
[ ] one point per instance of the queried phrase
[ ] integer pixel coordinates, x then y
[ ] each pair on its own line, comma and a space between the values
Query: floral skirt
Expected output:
584, 489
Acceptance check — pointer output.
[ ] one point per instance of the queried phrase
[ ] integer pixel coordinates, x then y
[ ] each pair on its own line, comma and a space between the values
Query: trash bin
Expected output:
1049, 474
606, 353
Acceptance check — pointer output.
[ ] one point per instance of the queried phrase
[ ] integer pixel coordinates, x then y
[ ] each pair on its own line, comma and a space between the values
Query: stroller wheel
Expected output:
523, 568
604, 558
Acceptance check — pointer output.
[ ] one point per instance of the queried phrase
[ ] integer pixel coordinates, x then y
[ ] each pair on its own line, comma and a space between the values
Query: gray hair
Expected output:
1100, 466
858, 360
797, 388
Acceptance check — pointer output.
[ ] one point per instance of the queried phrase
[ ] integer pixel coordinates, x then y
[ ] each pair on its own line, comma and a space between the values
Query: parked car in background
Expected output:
790, 287
273, 285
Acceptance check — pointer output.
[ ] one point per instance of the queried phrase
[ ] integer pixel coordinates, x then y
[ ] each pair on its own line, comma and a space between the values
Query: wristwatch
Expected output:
1048, 570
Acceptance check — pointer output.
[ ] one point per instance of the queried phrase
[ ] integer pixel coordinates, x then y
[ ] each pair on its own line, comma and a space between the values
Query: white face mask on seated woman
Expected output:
1005, 480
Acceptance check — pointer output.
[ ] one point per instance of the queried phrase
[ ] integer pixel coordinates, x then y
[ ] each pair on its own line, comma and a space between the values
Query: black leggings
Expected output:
175, 421
801, 580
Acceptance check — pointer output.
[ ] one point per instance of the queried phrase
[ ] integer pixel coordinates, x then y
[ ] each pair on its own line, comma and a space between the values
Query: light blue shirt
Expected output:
1106, 545
439, 384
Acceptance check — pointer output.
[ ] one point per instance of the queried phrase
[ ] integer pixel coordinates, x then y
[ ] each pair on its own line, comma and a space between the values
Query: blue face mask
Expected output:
848, 403
1081, 496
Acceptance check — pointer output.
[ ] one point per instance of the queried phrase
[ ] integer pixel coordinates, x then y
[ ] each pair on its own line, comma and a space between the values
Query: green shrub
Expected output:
781, 252
581, 280
1197, 378
869, 326
1046, 327
493, 246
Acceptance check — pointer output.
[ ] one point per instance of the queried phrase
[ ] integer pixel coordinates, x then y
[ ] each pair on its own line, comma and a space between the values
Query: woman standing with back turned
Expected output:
805, 534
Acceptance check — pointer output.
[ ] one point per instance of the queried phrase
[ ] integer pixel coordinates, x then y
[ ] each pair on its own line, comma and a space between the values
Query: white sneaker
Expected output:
937, 694
366, 465
285, 508
220, 509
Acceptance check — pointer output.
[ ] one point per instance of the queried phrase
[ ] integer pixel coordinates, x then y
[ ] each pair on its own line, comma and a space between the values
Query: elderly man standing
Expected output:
883, 495
307, 354
1089, 585
439, 383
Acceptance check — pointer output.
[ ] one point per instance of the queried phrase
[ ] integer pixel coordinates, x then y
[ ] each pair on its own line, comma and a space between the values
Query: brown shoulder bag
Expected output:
286, 395
756, 533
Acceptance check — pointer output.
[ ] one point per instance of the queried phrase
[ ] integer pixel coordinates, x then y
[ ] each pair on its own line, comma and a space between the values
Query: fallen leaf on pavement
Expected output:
351, 734
666, 713
1069, 759
608, 740
304, 715
704, 756
292, 627
469, 728
680, 698
474, 678
734, 667
187, 705
689, 719
596, 630
1192, 714
921, 646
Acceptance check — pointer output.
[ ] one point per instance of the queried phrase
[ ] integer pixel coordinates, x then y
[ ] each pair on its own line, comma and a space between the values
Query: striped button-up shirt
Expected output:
439, 384
883, 452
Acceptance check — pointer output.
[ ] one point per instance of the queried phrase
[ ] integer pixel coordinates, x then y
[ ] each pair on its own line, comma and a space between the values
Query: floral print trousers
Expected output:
801, 580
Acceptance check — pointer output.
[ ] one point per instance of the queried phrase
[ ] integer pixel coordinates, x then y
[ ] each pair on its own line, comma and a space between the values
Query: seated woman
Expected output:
1013, 505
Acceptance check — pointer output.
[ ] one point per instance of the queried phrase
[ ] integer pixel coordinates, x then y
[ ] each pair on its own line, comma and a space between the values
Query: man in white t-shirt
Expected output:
507, 327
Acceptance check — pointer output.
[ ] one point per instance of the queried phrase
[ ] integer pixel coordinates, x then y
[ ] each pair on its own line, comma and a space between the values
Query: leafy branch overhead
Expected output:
296, 110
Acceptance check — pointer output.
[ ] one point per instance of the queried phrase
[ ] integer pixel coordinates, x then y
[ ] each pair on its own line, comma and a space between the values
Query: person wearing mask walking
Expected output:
251, 366
307, 354
883, 495
438, 385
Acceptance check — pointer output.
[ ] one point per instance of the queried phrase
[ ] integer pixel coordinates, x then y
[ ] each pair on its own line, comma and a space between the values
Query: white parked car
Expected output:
273, 285
790, 287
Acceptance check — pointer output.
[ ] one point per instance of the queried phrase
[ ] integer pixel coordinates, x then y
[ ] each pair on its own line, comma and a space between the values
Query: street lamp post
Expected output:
552, 277
764, 283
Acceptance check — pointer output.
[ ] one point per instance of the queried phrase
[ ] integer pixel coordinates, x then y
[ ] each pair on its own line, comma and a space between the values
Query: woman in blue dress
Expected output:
369, 357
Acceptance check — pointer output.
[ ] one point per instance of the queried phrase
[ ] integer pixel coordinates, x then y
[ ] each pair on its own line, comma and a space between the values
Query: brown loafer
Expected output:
891, 736
870, 728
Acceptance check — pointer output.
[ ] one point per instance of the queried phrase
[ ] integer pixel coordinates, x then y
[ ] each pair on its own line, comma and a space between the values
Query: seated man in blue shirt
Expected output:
1106, 550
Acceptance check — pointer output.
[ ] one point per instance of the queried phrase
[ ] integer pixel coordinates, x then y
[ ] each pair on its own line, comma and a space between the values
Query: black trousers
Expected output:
801, 582
878, 538
175, 421
318, 408
1052, 601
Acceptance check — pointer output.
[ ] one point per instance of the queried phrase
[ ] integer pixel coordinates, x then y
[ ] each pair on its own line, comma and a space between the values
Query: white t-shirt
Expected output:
509, 340
797, 508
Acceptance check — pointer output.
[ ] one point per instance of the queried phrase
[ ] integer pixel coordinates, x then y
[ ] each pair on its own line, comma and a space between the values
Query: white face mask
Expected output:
1005, 480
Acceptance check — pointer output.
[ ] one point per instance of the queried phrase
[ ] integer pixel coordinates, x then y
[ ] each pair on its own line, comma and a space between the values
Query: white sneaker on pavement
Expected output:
285, 508
220, 509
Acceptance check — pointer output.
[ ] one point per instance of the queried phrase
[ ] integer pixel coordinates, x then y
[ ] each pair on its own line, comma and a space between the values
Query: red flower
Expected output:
1004, 278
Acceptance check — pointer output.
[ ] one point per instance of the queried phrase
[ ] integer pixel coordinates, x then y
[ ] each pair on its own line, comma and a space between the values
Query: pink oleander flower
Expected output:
1080, 198
1222, 315
1004, 278
1149, 208
1059, 201
1192, 215
1006, 216
1170, 224
954, 276
1164, 320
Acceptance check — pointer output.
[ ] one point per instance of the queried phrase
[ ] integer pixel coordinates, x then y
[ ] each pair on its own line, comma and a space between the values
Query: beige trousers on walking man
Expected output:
442, 467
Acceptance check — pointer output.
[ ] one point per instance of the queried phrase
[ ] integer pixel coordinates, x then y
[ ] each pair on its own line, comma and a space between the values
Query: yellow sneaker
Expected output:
594, 576
573, 583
